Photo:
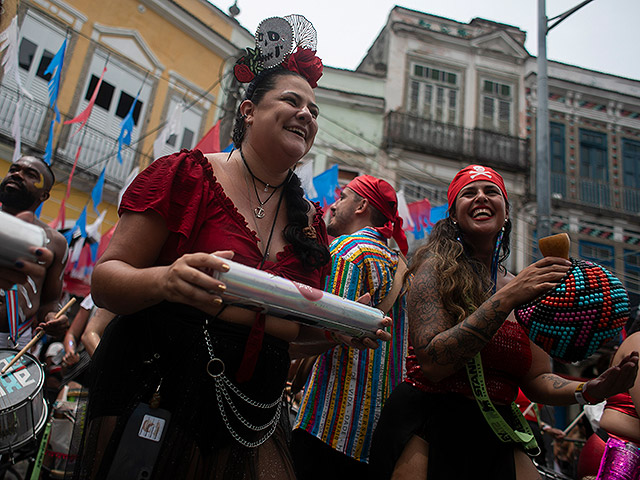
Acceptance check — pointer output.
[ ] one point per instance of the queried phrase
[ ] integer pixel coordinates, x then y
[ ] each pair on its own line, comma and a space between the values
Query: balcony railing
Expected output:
450, 141
593, 193
97, 147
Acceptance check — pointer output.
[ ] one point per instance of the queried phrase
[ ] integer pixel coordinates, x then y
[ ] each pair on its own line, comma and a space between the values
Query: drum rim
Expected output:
36, 430
32, 399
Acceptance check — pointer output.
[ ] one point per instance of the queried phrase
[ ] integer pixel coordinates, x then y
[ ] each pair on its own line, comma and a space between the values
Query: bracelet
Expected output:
580, 396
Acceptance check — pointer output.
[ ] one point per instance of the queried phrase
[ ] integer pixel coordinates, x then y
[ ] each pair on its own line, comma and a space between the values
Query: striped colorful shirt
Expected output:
345, 391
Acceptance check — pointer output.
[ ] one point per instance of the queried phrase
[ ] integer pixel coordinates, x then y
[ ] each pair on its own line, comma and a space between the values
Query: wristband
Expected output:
579, 394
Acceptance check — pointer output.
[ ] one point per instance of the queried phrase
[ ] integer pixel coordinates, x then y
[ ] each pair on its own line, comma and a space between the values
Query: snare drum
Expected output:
23, 410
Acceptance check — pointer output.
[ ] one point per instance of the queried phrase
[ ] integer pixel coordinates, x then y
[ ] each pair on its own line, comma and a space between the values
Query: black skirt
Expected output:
461, 442
163, 349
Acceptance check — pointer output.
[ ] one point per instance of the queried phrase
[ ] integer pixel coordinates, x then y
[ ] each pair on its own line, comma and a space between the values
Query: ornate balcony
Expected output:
97, 147
595, 194
450, 141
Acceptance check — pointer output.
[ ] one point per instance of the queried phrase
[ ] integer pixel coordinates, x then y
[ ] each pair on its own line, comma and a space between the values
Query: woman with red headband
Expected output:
466, 343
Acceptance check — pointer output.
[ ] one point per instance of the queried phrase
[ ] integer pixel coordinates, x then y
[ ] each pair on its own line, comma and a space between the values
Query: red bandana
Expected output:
474, 173
383, 197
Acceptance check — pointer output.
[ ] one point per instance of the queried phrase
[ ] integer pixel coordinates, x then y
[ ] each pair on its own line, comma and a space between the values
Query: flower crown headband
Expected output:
289, 42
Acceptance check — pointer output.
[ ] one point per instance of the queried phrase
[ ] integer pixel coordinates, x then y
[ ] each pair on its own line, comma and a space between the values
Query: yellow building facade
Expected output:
172, 57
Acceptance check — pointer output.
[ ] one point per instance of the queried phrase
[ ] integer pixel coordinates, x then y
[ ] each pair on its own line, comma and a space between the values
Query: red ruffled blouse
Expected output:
200, 217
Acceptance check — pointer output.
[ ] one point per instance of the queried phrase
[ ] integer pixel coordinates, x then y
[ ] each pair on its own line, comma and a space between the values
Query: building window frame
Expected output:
599, 253
190, 128
416, 191
497, 105
631, 175
434, 92
632, 274
594, 168
557, 151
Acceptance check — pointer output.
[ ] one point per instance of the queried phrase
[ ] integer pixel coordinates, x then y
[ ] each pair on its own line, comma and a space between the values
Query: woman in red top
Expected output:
431, 427
620, 420
219, 371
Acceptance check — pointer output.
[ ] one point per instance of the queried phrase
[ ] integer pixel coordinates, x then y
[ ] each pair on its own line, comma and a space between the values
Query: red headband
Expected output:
382, 196
474, 173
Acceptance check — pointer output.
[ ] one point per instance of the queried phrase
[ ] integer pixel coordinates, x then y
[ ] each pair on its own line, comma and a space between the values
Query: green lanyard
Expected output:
505, 433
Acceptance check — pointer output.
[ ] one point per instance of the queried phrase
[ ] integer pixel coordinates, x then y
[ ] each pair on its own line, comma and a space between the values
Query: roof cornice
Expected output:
190, 24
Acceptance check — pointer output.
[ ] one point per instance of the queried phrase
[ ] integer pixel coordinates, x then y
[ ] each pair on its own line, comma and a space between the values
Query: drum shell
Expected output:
23, 410
16, 237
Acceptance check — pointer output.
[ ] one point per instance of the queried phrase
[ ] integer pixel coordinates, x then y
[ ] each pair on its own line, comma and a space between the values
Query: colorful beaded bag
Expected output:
586, 309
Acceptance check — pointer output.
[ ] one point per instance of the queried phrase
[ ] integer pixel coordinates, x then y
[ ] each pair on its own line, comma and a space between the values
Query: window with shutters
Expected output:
497, 104
433, 93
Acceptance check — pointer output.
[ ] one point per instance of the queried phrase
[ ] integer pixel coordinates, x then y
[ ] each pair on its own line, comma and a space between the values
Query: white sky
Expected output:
601, 36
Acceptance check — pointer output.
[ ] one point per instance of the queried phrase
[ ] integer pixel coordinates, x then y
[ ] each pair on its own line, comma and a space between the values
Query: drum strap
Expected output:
523, 435
37, 467
16, 326
398, 283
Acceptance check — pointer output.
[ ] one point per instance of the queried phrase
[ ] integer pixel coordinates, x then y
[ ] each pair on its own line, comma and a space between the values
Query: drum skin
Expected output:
23, 410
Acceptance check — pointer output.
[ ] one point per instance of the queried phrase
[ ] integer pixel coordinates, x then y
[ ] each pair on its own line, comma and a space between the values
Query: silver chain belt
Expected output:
224, 387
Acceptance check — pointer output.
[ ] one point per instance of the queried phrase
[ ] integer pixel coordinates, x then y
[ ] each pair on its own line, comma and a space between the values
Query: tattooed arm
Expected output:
441, 345
542, 386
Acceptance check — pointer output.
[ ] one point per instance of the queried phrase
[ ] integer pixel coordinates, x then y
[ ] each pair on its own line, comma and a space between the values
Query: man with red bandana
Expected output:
347, 387
37, 285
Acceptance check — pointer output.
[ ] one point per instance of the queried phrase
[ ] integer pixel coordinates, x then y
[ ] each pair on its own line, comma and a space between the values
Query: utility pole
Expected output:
543, 160
543, 163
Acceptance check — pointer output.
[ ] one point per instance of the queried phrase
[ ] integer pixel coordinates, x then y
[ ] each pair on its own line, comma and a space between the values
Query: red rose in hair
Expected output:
243, 73
305, 62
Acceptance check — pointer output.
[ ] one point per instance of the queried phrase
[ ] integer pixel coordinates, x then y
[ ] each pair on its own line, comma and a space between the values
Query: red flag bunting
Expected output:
210, 143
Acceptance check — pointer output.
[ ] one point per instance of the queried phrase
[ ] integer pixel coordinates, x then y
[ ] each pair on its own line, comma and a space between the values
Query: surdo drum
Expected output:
23, 410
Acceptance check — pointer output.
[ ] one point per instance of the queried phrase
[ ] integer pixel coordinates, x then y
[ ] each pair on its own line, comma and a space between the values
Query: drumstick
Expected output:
38, 336
573, 424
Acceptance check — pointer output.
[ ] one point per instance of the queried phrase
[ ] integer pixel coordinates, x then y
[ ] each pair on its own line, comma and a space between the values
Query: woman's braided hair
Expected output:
310, 252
